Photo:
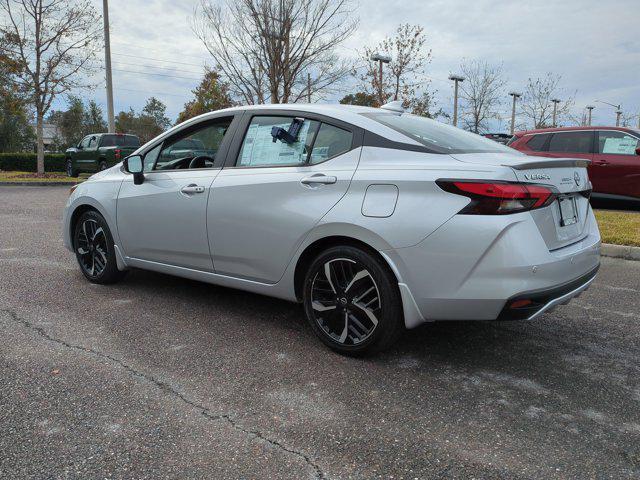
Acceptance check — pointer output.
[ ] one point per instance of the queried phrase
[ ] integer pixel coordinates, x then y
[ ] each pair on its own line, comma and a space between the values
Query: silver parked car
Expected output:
375, 219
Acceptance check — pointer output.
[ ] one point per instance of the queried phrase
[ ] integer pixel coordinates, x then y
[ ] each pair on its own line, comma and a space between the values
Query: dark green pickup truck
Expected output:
99, 151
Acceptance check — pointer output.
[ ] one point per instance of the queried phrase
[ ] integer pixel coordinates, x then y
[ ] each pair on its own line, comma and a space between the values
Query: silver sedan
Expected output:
375, 220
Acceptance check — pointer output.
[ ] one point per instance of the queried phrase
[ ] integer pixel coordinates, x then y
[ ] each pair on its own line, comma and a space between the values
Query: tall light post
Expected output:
107, 66
515, 96
618, 113
378, 57
618, 110
555, 101
590, 108
456, 79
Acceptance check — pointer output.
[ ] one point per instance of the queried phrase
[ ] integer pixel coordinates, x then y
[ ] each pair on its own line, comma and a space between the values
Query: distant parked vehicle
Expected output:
502, 138
99, 151
614, 153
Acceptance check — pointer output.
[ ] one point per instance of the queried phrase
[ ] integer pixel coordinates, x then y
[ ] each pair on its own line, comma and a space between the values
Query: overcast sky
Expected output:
593, 44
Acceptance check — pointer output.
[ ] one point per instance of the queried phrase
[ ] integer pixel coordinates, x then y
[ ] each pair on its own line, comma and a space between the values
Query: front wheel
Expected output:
71, 172
94, 248
352, 301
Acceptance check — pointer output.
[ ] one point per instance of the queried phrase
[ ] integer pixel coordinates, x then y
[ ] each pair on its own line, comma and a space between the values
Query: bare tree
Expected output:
406, 70
481, 93
536, 104
53, 42
277, 50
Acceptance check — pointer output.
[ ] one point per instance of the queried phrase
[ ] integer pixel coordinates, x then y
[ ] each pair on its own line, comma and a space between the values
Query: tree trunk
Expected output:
40, 143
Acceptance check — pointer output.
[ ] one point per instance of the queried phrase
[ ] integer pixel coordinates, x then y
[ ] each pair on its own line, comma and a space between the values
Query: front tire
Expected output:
352, 301
94, 248
71, 172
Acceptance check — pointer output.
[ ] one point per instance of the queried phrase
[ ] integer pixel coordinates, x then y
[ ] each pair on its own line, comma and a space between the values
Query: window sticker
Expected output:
260, 149
620, 146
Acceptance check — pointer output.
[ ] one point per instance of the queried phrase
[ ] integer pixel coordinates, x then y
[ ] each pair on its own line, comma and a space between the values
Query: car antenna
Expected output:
395, 106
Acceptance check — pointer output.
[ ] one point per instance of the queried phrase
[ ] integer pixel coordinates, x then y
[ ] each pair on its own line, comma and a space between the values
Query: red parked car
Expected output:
614, 153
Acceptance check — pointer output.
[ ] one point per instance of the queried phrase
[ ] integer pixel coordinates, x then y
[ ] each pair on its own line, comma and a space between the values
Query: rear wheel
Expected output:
102, 165
352, 302
71, 172
94, 248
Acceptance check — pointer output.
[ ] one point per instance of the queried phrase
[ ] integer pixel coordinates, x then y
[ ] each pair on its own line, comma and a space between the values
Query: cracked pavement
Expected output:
160, 377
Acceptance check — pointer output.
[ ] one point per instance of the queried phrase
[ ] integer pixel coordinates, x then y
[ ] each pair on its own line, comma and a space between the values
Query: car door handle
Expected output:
191, 189
602, 163
319, 178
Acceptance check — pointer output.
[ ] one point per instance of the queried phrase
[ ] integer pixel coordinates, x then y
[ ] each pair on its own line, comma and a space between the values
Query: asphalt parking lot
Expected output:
159, 377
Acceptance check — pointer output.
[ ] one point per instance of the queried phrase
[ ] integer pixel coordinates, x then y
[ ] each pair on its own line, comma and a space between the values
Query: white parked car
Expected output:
375, 219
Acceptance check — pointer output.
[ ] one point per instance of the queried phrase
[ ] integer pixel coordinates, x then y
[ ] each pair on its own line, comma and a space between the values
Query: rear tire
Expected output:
102, 165
71, 172
352, 302
94, 248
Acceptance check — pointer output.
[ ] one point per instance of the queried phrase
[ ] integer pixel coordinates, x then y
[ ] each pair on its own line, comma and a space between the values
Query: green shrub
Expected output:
26, 162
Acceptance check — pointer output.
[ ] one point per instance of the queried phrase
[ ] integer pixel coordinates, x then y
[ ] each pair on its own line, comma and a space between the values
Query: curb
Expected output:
39, 184
620, 251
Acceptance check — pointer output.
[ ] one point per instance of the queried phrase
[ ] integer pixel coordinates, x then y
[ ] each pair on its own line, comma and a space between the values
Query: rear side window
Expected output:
538, 142
259, 149
131, 141
108, 141
612, 142
330, 141
574, 142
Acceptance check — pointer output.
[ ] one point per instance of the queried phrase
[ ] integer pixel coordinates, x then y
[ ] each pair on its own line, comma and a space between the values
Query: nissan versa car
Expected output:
375, 220
614, 153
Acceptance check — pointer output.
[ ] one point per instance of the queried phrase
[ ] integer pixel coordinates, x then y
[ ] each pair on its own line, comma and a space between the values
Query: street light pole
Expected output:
107, 66
456, 79
590, 107
515, 96
618, 113
555, 110
618, 110
377, 57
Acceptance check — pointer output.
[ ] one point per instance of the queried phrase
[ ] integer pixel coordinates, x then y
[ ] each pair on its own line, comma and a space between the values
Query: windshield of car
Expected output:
437, 136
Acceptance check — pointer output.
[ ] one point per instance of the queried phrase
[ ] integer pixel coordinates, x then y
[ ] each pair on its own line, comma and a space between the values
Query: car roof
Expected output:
571, 129
347, 113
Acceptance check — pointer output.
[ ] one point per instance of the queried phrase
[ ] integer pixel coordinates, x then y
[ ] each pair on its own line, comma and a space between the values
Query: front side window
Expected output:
437, 136
330, 141
85, 142
574, 142
260, 150
93, 141
196, 148
617, 143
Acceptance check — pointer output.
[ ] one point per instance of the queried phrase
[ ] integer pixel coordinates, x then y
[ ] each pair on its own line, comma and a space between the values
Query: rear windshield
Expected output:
119, 141
437, 136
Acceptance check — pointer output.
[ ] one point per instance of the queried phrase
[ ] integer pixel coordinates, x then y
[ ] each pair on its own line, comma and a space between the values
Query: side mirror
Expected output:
134, 165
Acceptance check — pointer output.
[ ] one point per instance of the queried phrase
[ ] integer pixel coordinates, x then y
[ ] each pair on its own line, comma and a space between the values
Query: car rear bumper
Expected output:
544, 301
472, 267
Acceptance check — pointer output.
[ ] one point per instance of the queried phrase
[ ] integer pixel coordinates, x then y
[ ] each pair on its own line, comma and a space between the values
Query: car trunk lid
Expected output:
564, 221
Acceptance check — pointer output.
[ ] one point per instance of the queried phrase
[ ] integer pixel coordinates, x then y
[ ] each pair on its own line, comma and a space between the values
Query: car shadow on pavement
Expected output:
473, 343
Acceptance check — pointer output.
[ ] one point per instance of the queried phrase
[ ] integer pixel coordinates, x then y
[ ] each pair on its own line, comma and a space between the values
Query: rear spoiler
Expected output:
552, 163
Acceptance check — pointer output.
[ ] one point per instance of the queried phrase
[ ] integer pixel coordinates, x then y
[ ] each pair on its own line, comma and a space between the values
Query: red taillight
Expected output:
117, 153
499, 198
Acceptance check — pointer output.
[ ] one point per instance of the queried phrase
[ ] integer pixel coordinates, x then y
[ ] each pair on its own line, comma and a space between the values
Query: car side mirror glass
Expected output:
134, 165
